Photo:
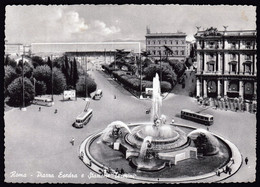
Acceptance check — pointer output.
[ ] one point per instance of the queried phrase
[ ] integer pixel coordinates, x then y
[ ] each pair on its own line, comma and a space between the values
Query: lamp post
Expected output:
161, 66
23, 106
86, 88
52, 101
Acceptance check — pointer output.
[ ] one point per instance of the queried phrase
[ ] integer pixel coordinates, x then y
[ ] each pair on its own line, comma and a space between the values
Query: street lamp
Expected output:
23, 107
52, 82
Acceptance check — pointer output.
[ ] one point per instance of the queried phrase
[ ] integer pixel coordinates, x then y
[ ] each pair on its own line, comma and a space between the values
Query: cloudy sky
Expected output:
85, 23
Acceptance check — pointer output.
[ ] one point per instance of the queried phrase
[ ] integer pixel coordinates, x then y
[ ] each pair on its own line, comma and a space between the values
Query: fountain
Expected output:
154, 148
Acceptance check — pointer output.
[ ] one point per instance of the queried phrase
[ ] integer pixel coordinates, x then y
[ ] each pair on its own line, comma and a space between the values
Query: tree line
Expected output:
43, 77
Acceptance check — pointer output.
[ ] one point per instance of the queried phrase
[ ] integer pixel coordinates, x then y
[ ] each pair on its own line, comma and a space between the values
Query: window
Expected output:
182, 52
248, 45
171, 41
211, 67
177, 42
165, 41
159, 41
182, 41
176, 52
248, 57
233, 67
247, 67
148, 42
154, 42
233, 45
154, 52
233, 56
211, 45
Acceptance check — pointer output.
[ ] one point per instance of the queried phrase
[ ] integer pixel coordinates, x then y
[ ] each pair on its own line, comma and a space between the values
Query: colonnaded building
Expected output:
226, 63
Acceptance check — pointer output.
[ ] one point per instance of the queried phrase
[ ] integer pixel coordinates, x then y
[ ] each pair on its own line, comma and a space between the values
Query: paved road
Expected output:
38, 142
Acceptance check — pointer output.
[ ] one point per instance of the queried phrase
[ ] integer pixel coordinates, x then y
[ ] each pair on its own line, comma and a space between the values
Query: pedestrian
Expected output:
40, 109
229, 171
246, 160
232, 160
55, 111
122, 171
114, 96
172, 121
117, 171
207, 128
72, 141
216, 107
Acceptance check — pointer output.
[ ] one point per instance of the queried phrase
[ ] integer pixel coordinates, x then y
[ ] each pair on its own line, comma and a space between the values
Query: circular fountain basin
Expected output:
98, 156
164, 137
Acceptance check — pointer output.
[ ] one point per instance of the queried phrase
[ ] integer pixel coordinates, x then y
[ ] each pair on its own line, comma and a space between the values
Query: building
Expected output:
155, 43
226, 63
13, 49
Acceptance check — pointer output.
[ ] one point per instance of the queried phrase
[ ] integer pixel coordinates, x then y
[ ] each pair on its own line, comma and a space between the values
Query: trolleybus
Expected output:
83, 118
205, 119
42, 101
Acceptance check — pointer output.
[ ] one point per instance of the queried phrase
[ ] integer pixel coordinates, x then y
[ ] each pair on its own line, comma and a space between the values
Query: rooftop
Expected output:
167, 34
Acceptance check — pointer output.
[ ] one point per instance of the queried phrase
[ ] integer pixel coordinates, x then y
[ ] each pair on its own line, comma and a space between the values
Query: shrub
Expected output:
165, 86
15, 91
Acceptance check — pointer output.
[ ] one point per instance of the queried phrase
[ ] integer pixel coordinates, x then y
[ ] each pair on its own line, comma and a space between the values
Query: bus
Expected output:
83, 118
205, 119
98, 94
42, 101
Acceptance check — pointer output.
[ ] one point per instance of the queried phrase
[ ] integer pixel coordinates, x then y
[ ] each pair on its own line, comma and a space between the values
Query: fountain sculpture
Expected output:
155, 146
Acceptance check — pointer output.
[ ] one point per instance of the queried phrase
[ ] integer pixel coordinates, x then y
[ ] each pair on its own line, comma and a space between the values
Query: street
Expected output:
38, 148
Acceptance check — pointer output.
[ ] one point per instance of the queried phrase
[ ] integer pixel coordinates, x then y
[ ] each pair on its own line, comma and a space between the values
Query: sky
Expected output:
95, 23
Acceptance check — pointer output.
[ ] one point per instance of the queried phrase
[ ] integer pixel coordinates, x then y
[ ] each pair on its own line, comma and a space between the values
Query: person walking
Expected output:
72, 141
246, 160
40, 109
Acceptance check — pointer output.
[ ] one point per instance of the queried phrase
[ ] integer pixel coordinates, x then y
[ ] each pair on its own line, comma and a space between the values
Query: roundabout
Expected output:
108, 162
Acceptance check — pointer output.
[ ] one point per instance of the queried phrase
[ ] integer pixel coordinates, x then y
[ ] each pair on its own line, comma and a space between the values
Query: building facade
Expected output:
13, 49
155, 43
226, 64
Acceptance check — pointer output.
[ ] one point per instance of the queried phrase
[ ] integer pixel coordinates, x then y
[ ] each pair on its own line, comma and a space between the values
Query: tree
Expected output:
167, 73
80, 86
59, 81
37, 61
65, 69
71, 74
49, 63
40, 88
188, 62
15, 91
43, 73
178, 67
10, 75
9, 61
75, 73
24, 67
